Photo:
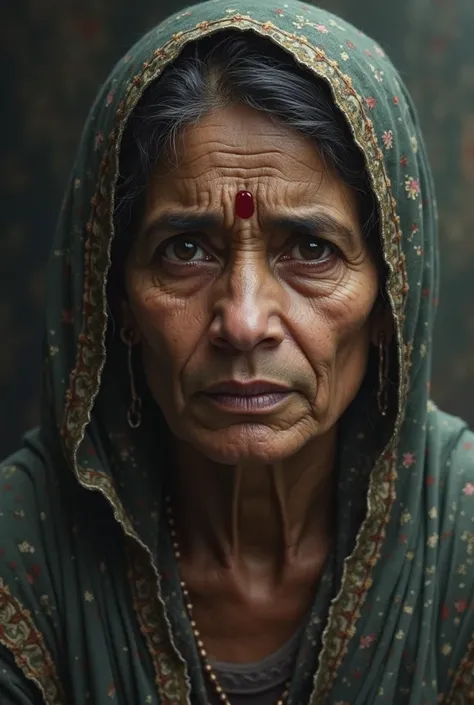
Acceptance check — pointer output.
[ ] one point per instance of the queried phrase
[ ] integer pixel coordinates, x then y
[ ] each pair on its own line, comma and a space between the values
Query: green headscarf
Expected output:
90, 605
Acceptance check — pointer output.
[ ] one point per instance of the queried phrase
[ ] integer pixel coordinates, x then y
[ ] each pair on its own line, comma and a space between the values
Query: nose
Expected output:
247, 310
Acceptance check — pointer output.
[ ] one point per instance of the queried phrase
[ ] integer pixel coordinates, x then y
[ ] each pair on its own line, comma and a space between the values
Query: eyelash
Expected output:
295, 240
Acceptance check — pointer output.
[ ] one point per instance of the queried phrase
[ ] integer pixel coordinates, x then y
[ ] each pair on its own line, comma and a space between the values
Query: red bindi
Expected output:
244, 205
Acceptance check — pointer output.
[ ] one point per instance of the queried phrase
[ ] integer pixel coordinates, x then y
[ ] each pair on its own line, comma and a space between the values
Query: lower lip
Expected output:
248, 404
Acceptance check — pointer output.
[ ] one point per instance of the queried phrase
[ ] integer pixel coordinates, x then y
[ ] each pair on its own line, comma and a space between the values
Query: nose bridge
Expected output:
248, 273
248, 285
247, 310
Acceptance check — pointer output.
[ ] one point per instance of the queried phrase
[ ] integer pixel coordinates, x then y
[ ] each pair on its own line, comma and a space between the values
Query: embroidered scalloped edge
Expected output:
170, 678
28, 647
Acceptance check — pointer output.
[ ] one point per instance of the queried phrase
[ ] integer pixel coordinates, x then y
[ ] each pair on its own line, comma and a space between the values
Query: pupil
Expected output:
310, 249
185, 250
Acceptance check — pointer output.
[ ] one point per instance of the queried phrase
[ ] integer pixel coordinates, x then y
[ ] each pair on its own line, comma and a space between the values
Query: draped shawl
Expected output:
90, 606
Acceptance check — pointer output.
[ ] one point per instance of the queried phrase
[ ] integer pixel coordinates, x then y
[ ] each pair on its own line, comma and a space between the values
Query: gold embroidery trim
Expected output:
462, 687
172, 682
20, 636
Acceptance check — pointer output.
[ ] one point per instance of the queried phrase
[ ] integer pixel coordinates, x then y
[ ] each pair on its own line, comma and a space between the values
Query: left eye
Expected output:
310, 249
184, 250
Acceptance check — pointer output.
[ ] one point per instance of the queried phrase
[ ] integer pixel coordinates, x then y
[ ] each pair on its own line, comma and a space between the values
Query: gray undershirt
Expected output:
260, 683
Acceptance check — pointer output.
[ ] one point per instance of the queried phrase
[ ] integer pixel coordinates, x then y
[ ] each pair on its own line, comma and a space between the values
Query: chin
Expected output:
249, 443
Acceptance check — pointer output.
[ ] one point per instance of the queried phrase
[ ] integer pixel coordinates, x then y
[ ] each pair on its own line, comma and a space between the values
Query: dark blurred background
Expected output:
55, 54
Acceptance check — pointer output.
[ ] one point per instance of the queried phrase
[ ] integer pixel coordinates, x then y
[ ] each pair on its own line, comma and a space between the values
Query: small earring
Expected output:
134, 413
382, 392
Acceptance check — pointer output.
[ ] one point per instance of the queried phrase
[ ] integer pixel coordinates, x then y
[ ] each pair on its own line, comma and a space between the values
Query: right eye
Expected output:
183, 249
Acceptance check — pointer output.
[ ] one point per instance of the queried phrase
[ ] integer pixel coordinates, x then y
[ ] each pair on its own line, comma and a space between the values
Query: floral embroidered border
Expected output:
85, 378
171, 678
23, 640
462, 688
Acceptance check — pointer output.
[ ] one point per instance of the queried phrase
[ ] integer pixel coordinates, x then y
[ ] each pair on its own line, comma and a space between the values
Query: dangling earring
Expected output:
134, 413
382, 392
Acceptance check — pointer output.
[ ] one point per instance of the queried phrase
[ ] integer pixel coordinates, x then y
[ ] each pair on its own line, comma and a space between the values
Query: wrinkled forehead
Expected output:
239, 150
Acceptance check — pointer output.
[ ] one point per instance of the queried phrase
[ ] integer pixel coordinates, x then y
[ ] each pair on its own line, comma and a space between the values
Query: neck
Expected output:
270, 514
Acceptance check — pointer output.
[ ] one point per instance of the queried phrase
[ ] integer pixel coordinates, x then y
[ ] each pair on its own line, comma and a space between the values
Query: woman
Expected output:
240, 491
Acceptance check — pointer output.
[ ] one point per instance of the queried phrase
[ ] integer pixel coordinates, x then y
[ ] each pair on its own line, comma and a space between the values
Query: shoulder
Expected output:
454, 443
25, 508
28, 509
450, 493
455, 566
30, 552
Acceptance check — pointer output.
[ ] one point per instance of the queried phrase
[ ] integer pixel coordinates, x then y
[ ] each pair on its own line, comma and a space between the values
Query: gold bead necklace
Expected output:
208, 670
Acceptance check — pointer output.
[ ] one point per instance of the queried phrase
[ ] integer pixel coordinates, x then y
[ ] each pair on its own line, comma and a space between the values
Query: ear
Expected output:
382, 323
129, 322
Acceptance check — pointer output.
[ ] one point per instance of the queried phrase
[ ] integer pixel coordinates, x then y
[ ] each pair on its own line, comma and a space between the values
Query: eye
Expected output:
310, 249
184, 249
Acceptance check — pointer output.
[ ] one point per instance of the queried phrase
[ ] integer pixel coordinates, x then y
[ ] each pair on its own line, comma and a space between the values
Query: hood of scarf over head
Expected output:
86, 394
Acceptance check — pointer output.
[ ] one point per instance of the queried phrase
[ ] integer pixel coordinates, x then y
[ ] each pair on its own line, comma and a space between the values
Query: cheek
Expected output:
328, 324
353, 328
170, 331
335, 334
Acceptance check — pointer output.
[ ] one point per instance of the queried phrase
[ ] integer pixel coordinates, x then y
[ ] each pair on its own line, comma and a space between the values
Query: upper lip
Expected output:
246, 389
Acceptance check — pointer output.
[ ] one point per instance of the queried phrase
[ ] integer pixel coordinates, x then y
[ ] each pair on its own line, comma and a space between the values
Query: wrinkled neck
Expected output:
253, 512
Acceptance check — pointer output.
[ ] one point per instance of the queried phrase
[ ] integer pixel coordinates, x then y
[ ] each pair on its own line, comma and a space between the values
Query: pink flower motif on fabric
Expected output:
370, 102
321, 28
366, 641
461, 606
412, 187
468, 489
33, 574
280, 12
110, 98
387, 139
409, 459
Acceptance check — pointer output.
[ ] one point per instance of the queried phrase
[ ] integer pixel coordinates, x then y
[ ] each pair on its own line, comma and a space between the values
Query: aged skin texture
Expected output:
255, 330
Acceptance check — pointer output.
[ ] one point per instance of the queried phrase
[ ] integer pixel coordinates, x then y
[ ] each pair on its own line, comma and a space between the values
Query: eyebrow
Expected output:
310, 224
314, 223
182, 222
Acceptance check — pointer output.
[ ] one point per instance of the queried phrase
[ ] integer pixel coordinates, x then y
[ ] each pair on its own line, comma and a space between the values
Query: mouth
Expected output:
250, 397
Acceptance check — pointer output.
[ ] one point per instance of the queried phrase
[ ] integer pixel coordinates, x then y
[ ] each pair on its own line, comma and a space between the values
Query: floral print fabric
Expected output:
90, 607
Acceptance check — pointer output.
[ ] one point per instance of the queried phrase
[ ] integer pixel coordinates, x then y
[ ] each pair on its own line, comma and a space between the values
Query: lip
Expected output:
257, 397
246, 389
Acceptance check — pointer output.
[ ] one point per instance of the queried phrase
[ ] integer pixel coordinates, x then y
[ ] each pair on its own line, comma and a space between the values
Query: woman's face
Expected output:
254, 332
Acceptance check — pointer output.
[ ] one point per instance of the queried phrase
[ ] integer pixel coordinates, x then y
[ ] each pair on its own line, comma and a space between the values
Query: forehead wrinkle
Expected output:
217, 155
218, 147
242, 167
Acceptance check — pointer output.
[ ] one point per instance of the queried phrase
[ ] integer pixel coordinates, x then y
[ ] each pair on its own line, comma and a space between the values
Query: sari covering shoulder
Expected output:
90, 605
